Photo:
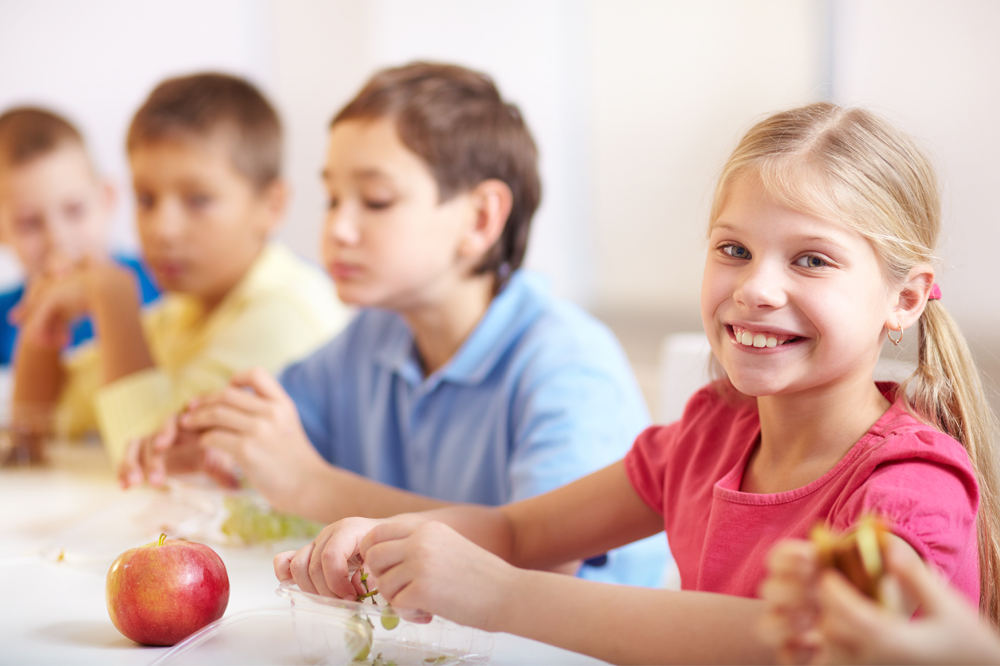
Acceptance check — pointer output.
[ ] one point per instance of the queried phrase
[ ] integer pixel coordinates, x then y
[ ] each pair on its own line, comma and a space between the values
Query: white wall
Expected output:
634, 103
934, 68
672, 84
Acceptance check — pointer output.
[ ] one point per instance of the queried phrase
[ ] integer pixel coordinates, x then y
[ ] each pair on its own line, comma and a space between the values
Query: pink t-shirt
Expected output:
917, 479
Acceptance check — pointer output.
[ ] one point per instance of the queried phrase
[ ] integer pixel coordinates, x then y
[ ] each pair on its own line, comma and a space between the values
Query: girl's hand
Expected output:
428, 566
855, 630
255, 423
790, 623
330, 564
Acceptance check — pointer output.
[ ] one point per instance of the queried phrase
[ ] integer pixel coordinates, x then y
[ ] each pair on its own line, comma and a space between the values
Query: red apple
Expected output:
166, 590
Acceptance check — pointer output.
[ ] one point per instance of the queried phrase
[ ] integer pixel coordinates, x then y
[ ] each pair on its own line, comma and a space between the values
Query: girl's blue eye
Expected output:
810, 261
736, 251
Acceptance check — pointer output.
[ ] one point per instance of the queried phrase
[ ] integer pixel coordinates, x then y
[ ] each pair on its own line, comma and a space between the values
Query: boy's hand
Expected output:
53, 301
790, 624
255, 422
173, 450
856, 630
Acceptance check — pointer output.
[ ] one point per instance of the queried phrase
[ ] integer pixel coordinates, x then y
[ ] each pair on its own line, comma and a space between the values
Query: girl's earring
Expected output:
895, 341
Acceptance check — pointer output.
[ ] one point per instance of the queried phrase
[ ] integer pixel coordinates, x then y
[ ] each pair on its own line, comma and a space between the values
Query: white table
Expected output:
53, 612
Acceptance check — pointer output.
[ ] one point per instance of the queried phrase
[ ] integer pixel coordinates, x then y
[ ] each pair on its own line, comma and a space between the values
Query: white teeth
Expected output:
750, 339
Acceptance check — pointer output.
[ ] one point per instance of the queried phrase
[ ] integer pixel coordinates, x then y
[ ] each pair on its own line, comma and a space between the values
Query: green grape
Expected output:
390, 619
358, 637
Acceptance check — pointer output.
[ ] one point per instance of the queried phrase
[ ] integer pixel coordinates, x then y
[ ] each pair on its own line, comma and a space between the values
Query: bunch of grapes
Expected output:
252, 523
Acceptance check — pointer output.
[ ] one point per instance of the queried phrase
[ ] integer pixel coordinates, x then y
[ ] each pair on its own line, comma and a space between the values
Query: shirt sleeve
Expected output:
268, 332
573, 420
929, 504
646, 463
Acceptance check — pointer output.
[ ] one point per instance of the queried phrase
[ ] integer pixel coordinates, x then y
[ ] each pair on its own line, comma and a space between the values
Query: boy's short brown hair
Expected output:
457, 122
27, 132
205, 106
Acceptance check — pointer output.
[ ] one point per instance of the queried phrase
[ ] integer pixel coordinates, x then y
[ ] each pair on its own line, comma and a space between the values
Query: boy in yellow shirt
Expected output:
205, 153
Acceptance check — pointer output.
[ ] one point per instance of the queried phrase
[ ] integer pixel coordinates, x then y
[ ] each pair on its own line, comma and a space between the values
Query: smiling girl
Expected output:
820, 246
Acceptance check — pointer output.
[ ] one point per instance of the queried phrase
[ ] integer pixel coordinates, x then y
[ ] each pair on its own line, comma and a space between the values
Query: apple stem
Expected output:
163, 537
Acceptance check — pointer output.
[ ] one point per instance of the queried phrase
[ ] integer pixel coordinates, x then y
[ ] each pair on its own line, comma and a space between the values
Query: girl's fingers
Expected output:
317, 574
341, 547
283, 565
385, 532
299, 568
382, 559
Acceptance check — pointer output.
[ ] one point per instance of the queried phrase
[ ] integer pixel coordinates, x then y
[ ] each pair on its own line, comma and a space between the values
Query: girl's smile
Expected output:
747, 335
790, 302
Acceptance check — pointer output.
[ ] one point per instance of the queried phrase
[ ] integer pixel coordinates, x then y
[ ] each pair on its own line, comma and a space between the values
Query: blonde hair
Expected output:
852, 166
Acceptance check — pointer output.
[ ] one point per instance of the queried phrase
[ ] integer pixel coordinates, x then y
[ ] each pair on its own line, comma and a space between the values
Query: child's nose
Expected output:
342, 226
60, 240
164, 220
761, 286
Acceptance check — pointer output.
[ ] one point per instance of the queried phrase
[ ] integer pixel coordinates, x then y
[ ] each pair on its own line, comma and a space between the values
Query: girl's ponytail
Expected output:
947, 391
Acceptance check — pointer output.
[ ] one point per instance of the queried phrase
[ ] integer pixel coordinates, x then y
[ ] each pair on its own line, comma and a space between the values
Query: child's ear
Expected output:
274, 200
491, 202
911, 298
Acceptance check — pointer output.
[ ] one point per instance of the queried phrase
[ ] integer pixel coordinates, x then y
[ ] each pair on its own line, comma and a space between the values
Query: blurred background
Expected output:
635, 104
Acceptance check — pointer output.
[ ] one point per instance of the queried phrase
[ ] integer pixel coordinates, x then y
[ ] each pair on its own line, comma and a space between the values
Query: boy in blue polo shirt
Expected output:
461, 379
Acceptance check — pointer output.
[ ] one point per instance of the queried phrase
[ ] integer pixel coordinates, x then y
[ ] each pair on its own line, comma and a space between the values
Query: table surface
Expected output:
63, 524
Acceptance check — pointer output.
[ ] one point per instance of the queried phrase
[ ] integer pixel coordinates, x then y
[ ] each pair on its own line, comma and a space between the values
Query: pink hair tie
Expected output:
935, 293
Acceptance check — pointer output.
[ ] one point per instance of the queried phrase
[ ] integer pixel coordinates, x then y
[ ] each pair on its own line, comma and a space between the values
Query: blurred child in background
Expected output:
205, 155
55, 209
462, 379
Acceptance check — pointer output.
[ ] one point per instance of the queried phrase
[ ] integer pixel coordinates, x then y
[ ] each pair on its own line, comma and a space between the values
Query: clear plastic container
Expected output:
321, 630
262, 637
363, 632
